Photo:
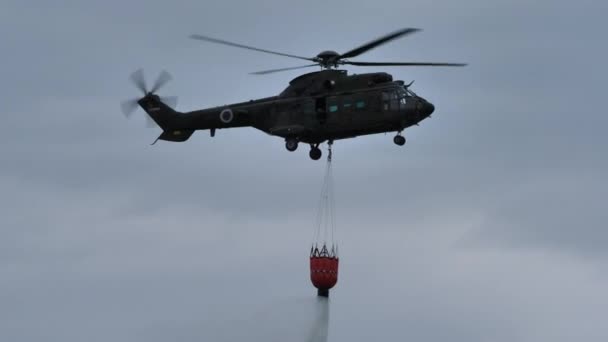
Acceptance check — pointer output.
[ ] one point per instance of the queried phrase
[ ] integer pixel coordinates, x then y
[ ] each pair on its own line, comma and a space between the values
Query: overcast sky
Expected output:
488, 225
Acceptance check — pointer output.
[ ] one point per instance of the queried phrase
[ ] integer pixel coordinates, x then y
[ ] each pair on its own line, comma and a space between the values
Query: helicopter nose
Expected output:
427, 108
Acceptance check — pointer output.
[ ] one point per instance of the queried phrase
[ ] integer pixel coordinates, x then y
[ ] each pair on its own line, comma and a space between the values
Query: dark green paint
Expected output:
321, 106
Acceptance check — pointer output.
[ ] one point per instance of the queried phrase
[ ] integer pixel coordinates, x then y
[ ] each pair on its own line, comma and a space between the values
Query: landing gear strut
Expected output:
291, 144
399, 140
315, 152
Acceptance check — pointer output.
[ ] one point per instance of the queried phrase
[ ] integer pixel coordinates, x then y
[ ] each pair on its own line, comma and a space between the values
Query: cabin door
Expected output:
321, 109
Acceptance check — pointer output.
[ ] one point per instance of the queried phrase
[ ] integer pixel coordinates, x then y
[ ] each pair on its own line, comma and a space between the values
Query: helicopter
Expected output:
316, 107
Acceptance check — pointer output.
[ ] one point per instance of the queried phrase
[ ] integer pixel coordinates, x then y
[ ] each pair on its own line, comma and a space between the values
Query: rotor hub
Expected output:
328, 58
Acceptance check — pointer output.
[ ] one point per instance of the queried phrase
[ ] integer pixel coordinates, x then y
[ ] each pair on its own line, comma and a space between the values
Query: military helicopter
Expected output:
316, 107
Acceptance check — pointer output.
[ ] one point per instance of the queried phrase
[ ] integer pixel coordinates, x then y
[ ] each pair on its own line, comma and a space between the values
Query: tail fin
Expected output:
167, 118
163, 115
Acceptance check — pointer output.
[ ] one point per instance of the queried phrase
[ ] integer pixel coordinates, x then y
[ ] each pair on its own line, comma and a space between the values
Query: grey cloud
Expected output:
565, 214
487, 225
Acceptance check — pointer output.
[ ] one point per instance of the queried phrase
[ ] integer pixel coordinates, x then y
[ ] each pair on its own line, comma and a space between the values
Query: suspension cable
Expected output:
325, 215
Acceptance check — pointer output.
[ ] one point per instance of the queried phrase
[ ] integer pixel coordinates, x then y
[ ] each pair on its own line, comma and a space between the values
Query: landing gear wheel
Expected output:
291, 144
399, 140
315, 153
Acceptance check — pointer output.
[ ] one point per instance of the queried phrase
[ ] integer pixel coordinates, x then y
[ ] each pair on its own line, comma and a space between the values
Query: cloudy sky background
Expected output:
488, 225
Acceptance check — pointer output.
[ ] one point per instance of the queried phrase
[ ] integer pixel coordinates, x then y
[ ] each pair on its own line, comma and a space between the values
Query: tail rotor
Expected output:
139, 81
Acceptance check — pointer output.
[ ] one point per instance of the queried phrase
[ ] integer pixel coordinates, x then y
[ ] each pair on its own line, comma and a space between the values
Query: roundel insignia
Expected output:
226, 115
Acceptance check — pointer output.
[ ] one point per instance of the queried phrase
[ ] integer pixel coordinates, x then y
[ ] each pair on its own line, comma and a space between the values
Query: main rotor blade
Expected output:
129, 106
139, 80
170, 101
401, 64
162, 79
219, 41
379, 41
264, 72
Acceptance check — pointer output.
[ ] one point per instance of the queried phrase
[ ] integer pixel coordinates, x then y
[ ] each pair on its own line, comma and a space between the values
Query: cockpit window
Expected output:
409, 92
396, 98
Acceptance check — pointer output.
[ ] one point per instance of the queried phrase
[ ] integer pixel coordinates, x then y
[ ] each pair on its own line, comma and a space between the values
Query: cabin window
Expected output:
332, 104
360, 104
347, 103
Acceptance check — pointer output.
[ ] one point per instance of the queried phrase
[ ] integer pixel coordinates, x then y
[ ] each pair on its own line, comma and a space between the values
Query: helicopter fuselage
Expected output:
322, 106
317, 107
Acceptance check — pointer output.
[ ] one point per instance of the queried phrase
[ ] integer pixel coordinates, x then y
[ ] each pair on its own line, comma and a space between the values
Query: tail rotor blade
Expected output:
139, 80
170, 101
162, 79
149, 122
128, 107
